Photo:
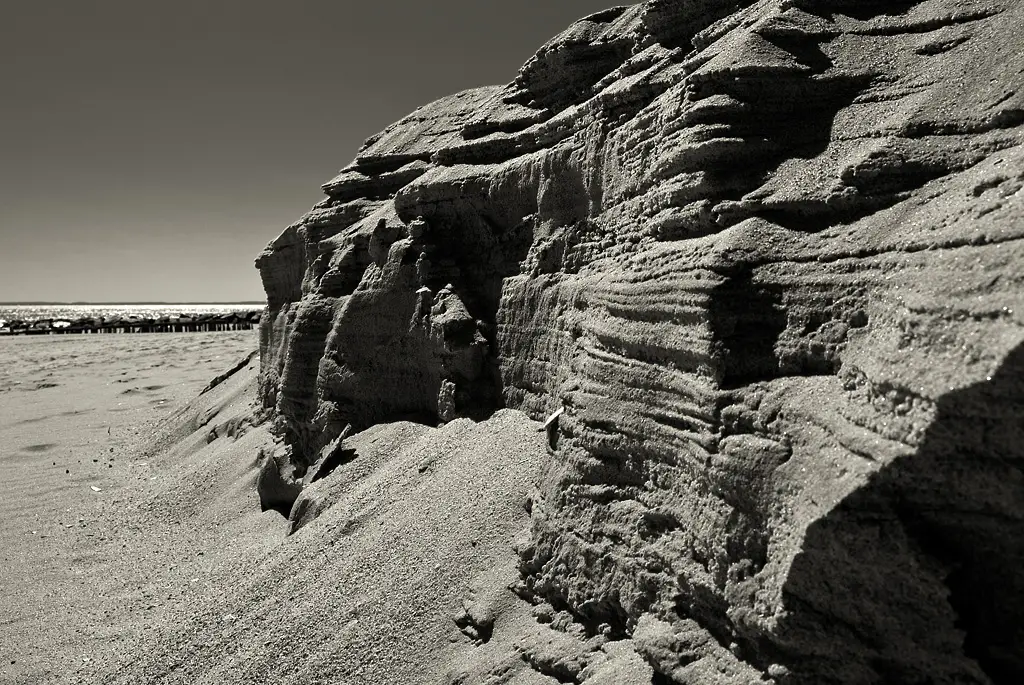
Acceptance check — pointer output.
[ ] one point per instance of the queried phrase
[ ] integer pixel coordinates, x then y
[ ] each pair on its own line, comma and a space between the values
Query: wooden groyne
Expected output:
185, 323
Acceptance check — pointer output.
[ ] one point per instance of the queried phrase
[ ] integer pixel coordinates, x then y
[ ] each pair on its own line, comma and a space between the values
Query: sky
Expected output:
149, 150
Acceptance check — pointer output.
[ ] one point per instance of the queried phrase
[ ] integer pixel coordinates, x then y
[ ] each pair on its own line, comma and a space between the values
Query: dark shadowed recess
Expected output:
747, 319
915, 577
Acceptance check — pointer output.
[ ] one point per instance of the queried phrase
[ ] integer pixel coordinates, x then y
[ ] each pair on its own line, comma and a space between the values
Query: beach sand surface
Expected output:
134, 549
79, 420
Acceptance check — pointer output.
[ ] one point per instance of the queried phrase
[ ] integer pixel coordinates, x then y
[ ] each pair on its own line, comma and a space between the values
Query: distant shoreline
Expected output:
133, 304
175, 317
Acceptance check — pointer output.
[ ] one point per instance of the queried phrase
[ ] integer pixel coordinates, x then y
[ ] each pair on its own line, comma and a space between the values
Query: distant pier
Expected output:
185, 323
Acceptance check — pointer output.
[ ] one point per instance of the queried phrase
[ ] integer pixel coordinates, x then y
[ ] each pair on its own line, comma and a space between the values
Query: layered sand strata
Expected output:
766, 257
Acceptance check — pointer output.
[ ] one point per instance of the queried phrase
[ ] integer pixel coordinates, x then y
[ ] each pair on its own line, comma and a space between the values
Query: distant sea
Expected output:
35, 312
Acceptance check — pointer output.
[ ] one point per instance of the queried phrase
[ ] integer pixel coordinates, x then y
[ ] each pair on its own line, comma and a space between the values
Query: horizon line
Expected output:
41, 302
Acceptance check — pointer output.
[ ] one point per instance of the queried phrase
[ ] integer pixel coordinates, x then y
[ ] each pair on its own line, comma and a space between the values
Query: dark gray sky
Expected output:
150, 149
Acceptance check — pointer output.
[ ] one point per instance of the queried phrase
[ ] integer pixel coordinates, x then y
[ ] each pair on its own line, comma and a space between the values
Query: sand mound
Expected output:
415, 529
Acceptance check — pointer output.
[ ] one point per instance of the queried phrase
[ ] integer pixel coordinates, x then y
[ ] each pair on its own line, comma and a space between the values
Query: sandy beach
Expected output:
134, 549
80, 418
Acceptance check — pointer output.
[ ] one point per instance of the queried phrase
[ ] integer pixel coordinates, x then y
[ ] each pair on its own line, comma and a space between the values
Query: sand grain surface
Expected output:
78, 419
170, 573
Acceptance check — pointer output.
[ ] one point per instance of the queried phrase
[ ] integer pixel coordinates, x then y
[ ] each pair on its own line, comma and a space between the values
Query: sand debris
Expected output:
554, 417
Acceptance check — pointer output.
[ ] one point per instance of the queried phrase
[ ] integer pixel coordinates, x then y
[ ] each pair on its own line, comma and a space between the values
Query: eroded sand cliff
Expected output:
768, 258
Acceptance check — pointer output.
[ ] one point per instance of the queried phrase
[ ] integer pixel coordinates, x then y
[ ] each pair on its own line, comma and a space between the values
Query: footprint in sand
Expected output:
76, 412
39, 448
145, 388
